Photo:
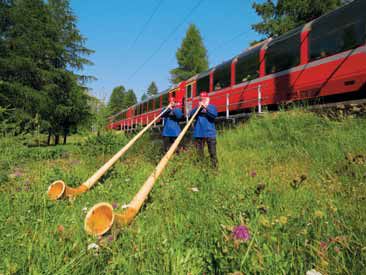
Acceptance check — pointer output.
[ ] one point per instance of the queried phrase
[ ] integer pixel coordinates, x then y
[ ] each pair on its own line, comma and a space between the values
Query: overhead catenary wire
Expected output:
144, 27
191, 11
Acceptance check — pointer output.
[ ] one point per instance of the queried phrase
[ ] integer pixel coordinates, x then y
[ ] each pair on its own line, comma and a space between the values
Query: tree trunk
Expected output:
57, 139
65, 138
49, 139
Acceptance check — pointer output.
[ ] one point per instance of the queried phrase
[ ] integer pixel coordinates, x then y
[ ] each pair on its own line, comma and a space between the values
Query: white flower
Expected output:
85, 209
93, 246
125, 206
194, 189
313, 272
127, 179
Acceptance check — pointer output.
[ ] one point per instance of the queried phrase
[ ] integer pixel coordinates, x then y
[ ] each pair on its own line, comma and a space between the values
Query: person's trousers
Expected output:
211, 145
167, 142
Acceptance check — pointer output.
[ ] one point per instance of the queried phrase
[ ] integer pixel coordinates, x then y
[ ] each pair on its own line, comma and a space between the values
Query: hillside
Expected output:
295, 181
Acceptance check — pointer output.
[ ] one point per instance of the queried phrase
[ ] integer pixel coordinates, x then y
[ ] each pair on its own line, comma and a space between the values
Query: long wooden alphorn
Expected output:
58, 189
101, 217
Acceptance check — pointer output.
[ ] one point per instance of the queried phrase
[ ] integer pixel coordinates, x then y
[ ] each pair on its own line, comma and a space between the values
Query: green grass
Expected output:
296, 180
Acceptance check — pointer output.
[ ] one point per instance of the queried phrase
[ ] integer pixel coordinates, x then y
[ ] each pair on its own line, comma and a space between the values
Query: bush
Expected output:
106, 143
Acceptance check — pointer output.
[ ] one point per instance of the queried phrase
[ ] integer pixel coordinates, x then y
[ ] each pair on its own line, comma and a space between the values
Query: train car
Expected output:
325, 58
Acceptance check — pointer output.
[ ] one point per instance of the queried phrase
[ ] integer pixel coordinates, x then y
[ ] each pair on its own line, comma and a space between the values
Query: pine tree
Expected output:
117, 100
191, 56
278, 17
143, 97
130, 98
152, 90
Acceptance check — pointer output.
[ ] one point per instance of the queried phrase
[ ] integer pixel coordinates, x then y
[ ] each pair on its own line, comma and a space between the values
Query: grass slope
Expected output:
295, 180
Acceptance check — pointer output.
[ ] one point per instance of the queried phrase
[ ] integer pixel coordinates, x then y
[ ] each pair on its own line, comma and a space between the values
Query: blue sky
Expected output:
112, 27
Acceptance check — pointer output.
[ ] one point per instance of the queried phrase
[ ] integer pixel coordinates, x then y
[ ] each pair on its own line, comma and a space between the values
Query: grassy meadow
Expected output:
295, 182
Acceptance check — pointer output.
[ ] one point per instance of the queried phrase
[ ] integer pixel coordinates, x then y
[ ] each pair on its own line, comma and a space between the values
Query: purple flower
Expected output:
241, 232
115, 205
253, 174
110, 238
18, 174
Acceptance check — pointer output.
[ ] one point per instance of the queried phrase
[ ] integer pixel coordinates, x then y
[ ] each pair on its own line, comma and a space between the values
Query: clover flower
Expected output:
115, 205
253, 174
241, 232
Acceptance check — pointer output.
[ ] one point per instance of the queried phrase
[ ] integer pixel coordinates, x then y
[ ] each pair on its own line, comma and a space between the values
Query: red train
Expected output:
324, 58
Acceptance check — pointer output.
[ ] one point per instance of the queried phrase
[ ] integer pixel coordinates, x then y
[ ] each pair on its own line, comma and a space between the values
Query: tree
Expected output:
191, 56
152, 90
117, 100
278, 17
40, 45
130, 98
144, 96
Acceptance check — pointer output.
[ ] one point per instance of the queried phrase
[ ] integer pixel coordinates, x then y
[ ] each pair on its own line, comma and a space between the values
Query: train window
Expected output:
222, 76
339, 31
165, 100
203, 84
189, 91
247, 66
283, 53
157, 102
151, 102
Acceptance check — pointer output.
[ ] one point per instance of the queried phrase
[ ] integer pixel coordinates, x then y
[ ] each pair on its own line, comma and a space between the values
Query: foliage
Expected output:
294, 181
191, 56
39, 44
105, 143
152, 90
278, 17
144, 96
117, 100
130, 98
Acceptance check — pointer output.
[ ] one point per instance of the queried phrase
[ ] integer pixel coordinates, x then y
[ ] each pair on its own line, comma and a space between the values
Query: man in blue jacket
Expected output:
171, 123
204, 128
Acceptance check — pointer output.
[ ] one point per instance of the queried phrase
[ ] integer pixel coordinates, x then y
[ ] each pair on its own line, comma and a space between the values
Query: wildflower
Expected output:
85, 209
93, 246
253, 174
323, 246
127, 180
60, 228
333, 208
115, 205
319, 214
337, 249
313, 272
241, 232
18, 174
125, 206
110, 238
194, 189
283, 220
265, 222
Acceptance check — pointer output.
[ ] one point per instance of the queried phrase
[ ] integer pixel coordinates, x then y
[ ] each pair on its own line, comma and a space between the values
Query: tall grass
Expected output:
295, 180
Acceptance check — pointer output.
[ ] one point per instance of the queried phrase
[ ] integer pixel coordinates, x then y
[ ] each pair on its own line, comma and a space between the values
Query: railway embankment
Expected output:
289, 196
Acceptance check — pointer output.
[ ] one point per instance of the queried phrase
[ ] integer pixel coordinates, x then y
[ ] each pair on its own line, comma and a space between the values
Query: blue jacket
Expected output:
171, 122
204, 126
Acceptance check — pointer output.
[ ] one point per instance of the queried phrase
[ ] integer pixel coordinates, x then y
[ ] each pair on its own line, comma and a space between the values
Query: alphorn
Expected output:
100, 218
59, 189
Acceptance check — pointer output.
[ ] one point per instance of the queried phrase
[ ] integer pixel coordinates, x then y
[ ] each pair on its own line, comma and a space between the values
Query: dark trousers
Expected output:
167, 142
211, 145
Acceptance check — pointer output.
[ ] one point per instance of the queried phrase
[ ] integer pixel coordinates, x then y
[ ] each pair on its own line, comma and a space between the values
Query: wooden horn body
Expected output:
58, 189
101, 216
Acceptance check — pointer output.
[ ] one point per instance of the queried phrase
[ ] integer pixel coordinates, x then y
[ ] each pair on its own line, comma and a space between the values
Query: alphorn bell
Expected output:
101, 217
59, 189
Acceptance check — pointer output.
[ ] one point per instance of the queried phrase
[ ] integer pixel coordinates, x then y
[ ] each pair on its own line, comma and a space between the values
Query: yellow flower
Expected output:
319, 214
333, 208
265, 222
283, 220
